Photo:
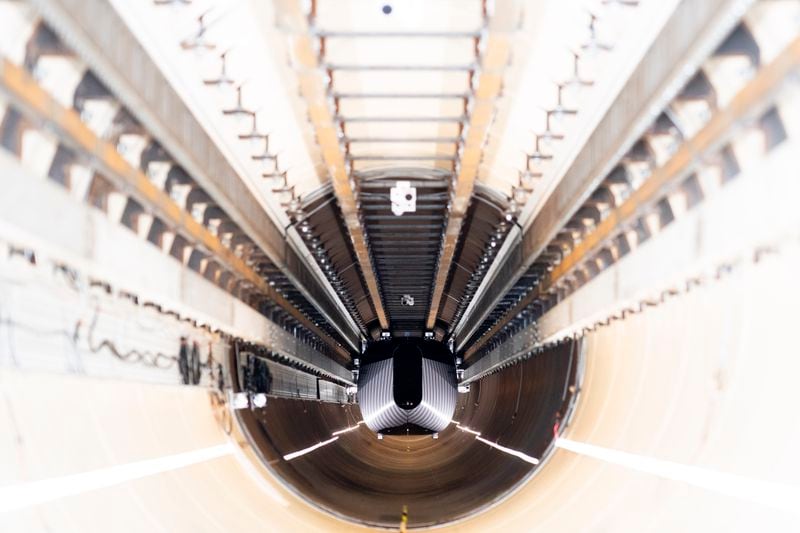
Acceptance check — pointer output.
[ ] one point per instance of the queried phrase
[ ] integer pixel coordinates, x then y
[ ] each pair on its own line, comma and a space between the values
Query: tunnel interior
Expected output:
344, 265
407, 386
369, 481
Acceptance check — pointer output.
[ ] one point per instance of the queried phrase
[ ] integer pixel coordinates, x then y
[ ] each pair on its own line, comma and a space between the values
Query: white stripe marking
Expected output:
468, 430
310, 449
345, 430
23, 495
525, 457
767, 493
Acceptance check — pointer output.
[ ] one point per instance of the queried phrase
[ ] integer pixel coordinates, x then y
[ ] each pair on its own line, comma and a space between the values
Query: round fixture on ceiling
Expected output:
387, 9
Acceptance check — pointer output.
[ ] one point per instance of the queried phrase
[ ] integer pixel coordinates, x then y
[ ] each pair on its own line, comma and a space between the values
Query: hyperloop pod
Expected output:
407, 387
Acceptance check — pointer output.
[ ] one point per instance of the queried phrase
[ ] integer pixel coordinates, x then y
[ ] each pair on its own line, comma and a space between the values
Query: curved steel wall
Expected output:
706, 379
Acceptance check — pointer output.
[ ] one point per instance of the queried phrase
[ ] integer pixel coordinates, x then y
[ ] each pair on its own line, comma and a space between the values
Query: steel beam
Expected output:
26, 94
99, 35
401, 140
422, 96
314, 90
754, 97
692, 32
399, 68
493, 61
431, 157
714, 231
456, 120
396, 34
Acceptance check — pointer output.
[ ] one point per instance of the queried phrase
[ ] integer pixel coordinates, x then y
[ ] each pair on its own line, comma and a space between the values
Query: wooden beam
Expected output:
493, 61
40, 106
314, 90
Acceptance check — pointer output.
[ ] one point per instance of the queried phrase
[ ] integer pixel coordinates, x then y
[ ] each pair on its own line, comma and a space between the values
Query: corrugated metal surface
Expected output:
331, 392
404, 248
438, 396
290, 383
322, 228
376, 397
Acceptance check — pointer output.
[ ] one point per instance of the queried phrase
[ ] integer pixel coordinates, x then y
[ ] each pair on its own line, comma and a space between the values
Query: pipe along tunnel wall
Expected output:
705, 379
